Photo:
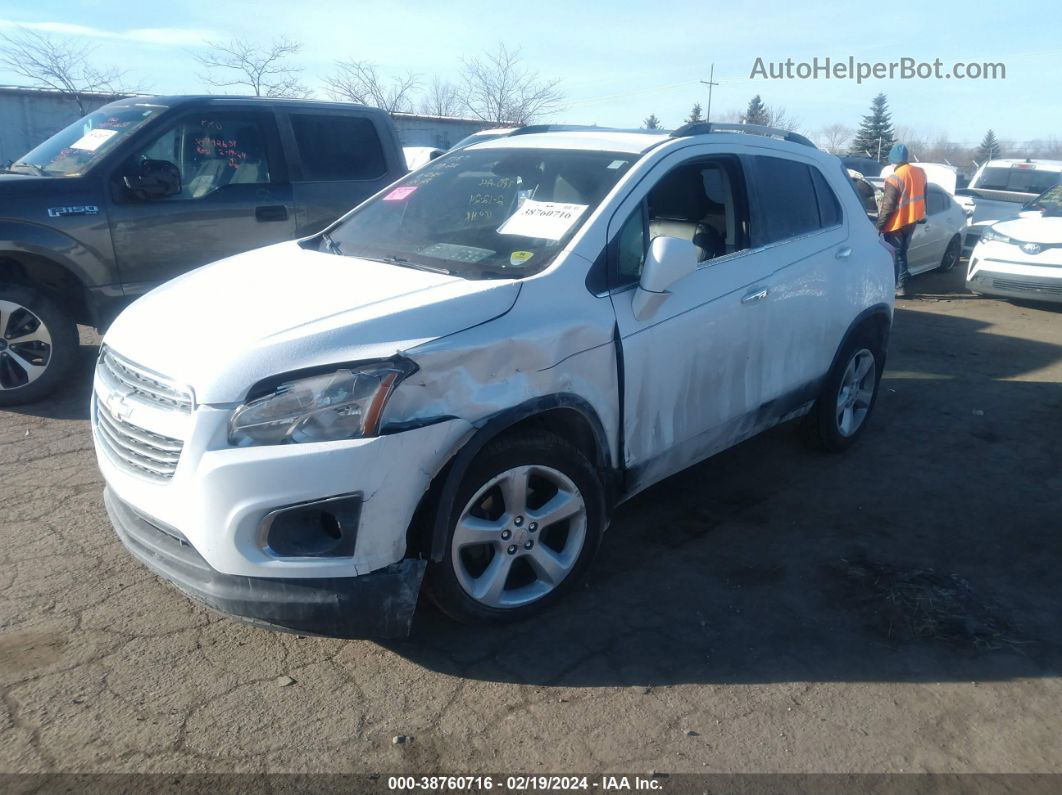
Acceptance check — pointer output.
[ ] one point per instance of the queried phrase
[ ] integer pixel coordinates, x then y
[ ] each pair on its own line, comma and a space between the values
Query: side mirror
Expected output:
670, 259
157, 180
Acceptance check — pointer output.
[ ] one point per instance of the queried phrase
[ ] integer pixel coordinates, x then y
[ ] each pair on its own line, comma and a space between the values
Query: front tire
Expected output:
842, 410
526, 523
38, 345
951, 256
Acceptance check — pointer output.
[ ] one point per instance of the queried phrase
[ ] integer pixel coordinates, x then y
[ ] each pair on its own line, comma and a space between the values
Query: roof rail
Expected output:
705, 127
531, 129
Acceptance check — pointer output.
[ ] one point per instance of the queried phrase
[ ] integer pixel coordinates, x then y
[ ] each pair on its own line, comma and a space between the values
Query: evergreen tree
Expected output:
756, 113
651, 123
989, 148
875, 135
695, 114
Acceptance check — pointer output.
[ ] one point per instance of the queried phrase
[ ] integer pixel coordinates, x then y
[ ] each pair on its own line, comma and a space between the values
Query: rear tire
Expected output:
526, 523
951, 256
842, 410
38, 345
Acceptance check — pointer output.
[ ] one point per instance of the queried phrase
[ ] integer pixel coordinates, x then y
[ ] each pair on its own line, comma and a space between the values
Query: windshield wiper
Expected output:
35, 169
333, 246
394, 259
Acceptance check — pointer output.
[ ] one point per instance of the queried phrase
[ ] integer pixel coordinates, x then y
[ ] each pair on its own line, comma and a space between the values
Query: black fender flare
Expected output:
459, 460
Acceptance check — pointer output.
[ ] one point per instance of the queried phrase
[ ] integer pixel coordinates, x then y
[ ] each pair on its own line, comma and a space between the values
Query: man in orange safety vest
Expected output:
902, 206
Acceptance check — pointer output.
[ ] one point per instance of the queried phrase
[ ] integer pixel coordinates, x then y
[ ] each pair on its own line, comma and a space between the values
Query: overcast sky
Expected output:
621, 60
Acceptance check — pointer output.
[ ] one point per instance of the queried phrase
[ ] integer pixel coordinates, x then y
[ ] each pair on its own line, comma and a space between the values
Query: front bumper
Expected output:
996, 269
375, 605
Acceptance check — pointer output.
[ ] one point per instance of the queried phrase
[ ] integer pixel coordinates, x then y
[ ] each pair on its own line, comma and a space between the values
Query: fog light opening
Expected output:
324, 529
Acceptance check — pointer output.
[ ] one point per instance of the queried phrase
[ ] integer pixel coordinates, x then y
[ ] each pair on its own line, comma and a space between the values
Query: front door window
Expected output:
211, 151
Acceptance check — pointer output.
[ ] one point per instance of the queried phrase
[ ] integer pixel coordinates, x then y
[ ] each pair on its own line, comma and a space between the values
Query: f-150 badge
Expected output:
76, 209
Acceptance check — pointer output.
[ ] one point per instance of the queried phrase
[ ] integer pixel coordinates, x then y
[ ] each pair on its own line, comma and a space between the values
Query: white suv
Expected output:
467, 373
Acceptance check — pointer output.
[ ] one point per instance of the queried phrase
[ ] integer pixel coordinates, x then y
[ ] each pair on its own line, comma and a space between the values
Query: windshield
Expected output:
482, 213
1016, 179
72, 150
1050, 201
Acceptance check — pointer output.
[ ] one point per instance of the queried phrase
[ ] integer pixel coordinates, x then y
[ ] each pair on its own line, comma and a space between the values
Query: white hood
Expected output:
1033, 228
225, 326
940, 174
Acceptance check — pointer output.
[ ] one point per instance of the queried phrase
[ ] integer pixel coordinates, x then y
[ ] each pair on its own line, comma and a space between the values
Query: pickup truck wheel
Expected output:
844, 405
951, 256
38, 343
527, 521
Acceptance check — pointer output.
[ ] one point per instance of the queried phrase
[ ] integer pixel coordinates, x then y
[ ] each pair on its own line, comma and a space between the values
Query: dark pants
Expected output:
900, 240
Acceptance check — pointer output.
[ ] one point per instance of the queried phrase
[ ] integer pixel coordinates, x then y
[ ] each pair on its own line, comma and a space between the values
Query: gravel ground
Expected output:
773, 609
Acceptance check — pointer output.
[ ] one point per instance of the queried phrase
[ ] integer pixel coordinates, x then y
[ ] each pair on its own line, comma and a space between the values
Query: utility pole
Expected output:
709, 82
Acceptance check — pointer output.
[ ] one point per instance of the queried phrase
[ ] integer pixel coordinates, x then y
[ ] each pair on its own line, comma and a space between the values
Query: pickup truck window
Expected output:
482, 213
1018, 179
72, 150
212, 150
333, 148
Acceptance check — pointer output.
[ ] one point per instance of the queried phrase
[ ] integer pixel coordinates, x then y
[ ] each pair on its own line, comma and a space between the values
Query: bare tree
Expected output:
443, 98
63, 65
835, 137
779, 118
265, 70
498, 88
359, 81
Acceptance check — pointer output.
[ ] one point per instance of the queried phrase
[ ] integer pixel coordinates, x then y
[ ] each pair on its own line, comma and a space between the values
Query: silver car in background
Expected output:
937, 243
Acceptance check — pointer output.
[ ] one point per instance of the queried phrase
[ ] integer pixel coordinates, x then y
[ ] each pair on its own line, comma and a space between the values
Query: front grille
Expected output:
134, 448
120, 374
1028, 287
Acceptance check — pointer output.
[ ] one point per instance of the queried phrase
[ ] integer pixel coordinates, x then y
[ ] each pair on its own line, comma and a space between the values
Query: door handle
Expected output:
271, 212
844, 253
753, 297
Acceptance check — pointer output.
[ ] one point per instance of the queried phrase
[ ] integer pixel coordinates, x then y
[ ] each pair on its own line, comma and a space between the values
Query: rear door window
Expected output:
787, 201
936, 202
334, 148
829, 207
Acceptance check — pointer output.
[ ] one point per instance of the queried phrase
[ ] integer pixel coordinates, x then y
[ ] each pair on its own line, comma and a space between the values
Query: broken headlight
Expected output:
343, 404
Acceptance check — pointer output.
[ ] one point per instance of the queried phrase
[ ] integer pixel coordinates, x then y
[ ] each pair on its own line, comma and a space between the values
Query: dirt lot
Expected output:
773, 609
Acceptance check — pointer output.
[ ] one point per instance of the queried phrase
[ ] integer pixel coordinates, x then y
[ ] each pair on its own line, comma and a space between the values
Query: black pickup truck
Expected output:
147, 188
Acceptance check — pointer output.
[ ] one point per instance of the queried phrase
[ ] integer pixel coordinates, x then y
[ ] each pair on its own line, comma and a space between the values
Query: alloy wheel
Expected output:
25, 346
856, 392
519, 536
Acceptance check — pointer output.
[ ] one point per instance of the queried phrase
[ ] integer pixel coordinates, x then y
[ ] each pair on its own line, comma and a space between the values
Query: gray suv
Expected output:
147, 188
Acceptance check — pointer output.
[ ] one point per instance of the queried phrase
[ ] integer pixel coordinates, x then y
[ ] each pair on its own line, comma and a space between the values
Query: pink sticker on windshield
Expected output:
400, 193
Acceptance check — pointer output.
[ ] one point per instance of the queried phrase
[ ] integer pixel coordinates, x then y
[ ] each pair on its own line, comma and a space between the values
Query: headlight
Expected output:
990, 235
344, 404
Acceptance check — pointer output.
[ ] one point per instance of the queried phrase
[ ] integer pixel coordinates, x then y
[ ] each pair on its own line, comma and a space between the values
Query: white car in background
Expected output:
1022, 258
1001, 187
419, 156
937, 243
481, 136
947, 177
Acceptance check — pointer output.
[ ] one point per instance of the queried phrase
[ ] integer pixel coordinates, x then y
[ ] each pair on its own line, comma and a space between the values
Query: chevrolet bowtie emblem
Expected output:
117, 405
